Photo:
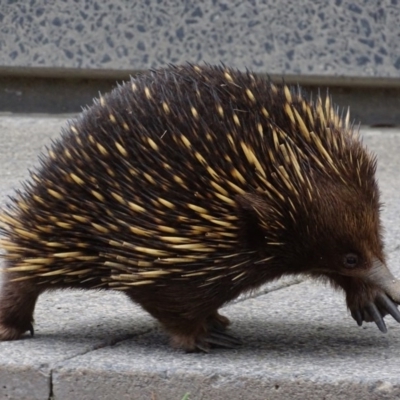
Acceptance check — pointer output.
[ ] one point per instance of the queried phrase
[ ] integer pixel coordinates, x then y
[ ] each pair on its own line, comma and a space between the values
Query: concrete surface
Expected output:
299, 340
344, 38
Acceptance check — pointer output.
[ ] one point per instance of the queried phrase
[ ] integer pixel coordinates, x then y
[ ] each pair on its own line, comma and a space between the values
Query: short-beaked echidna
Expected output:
188, 186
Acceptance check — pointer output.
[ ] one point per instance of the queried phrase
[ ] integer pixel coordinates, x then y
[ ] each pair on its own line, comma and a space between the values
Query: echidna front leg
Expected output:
17, 304
371, 299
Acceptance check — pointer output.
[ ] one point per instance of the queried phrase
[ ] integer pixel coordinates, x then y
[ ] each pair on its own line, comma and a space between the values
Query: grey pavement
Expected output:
299, 340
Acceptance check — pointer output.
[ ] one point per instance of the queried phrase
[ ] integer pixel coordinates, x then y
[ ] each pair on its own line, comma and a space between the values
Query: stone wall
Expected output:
345, 38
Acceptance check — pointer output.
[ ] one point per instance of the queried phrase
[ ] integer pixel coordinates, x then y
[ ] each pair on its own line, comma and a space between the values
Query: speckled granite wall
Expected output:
317, 37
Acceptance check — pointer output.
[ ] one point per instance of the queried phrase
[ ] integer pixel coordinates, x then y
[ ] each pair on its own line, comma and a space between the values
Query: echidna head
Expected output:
346, 246
334, 234
343, 231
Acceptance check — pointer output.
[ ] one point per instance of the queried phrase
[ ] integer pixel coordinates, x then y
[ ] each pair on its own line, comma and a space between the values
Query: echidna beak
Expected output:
380, 276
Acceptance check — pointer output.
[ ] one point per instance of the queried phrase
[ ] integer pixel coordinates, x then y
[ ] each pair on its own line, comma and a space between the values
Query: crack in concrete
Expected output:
51, 394
265, 290
107, 343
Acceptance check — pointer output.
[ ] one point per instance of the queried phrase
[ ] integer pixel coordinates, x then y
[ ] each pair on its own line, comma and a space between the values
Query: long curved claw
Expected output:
203, 347
31, 330
356, 314
217, 338
222, 339
375, 311
388, 306
376, 316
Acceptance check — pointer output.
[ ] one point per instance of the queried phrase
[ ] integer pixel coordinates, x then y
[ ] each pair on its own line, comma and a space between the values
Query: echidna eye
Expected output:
350, 260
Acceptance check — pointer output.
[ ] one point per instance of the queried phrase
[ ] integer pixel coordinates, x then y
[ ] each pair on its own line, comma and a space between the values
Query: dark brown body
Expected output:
188, 186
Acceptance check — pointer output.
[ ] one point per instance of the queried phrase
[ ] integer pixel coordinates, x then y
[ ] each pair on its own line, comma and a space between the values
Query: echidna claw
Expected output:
203, 347
388, 306
375, 311
222, 339
31, 330
376, 317
217, 338
356, 314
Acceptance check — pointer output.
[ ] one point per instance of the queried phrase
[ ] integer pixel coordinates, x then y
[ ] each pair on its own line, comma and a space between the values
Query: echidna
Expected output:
188, 186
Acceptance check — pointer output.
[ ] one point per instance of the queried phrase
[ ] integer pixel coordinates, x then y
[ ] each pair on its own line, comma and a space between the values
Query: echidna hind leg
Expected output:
189, 328
200, 335
216, 336
211, 334
17, 304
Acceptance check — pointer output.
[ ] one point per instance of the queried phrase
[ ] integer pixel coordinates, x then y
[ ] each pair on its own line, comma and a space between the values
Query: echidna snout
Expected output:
188, 186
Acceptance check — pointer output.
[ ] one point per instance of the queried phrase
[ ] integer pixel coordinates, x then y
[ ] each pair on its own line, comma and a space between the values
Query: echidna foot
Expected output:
215, 335
13, 333
210, 334
376, 310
